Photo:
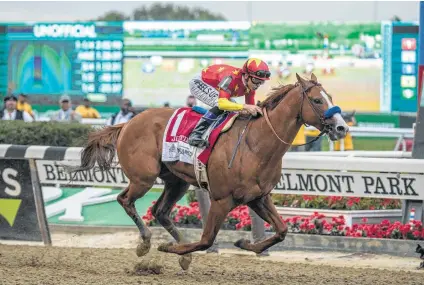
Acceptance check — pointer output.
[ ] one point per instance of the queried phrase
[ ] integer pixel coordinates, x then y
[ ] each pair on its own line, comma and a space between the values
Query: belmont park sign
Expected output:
359, 184
325, 183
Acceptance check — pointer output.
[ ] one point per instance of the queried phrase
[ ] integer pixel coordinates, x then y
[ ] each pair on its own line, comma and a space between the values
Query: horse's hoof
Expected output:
242, 243
263, 253
164, 247
185, 261
213, 249
143, 248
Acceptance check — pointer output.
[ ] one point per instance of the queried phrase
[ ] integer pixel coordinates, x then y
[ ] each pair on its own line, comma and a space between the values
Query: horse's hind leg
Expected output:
265, 209
216, 216
174, 190
127, 200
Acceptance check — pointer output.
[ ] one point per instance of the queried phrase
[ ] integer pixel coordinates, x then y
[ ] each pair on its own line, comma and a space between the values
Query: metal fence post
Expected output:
39, 203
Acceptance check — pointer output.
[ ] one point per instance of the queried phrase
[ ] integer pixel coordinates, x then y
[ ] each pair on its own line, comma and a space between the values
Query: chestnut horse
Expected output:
255, 171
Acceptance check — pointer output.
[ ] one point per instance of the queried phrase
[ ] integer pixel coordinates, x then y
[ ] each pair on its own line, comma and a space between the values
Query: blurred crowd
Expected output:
18, 108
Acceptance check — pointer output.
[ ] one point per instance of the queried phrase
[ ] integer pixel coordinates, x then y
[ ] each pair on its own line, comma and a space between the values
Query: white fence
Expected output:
355, 153
324, 173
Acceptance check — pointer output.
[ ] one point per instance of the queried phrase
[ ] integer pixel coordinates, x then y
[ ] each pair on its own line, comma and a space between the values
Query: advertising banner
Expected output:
18, 216
372, 185
313, 182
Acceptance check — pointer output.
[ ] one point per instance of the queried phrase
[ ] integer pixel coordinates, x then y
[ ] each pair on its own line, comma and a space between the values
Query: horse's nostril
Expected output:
340, 129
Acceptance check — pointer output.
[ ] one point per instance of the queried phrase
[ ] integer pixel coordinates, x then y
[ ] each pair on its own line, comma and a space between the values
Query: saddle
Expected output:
179, 128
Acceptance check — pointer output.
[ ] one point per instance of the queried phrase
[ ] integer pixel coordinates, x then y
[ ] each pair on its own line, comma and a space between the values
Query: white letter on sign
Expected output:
72, 206
7, 173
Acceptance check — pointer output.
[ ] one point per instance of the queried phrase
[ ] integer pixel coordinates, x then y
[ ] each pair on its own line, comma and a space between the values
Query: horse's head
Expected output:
317, 109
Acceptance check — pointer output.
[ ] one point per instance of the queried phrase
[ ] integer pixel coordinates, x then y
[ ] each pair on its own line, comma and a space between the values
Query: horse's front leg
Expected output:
265, 209
216, 216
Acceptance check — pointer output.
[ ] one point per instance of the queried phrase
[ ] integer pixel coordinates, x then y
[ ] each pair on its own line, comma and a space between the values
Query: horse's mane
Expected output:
276, 95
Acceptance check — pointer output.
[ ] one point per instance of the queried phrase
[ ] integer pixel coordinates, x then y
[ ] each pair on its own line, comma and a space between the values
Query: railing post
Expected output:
398, 142
39, 203
331, 145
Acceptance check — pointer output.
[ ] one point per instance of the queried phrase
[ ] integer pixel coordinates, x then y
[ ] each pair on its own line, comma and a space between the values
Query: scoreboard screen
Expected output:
73, 59
400, 66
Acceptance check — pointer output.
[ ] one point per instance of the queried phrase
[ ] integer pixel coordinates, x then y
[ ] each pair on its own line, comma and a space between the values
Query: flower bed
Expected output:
335, 202
239, 219
352, 208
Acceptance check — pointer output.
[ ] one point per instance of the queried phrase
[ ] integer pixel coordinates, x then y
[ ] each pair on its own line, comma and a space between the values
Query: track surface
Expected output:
23, 264
110, 259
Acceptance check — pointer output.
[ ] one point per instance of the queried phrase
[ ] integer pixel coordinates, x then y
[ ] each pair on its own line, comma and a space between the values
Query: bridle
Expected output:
326, 127
327, 114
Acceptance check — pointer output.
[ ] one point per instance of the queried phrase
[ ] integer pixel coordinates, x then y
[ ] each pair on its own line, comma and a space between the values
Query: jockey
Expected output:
215, 86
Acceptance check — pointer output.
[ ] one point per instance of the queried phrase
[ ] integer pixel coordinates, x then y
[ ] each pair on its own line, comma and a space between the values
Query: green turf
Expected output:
372, 144
352, 88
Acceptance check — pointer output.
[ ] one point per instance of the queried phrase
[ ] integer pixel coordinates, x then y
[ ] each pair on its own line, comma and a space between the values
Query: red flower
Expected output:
417, 234
308, 197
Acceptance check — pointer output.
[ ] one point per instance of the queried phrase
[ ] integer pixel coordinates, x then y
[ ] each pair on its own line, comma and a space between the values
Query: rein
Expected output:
328, 114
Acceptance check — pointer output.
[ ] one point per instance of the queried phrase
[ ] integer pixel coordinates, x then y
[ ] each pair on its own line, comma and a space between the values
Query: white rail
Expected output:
354, 153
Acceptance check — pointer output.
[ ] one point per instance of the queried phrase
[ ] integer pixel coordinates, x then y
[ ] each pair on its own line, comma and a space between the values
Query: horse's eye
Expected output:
317, 101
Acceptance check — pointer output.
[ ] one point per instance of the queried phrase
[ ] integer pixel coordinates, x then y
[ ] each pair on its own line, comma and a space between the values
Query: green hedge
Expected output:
43, 133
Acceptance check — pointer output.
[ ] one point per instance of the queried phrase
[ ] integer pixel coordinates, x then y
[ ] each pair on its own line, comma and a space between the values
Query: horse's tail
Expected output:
100, 148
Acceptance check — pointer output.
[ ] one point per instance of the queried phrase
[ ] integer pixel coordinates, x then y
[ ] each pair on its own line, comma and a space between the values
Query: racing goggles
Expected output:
257, 81
262, 74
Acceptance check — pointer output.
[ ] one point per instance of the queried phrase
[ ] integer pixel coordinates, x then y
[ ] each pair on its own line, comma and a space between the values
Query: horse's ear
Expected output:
301, 80
314, 78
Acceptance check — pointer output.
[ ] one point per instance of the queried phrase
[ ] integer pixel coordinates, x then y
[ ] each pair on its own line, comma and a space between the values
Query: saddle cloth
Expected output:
179, 128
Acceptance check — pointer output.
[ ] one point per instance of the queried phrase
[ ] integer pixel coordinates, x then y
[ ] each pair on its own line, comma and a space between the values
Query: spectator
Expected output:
86, 111
124, 115
11, 113
166, 105
299, 140
191, 101
23, 104
65, 113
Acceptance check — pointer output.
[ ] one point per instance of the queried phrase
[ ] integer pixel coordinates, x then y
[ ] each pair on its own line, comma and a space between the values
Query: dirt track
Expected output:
23, 264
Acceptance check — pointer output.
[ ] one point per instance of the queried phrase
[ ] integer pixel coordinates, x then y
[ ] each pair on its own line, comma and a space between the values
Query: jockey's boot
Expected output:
195, 138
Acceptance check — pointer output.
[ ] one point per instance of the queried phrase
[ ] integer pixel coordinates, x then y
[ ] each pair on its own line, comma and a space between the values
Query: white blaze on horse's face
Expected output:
339, 127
